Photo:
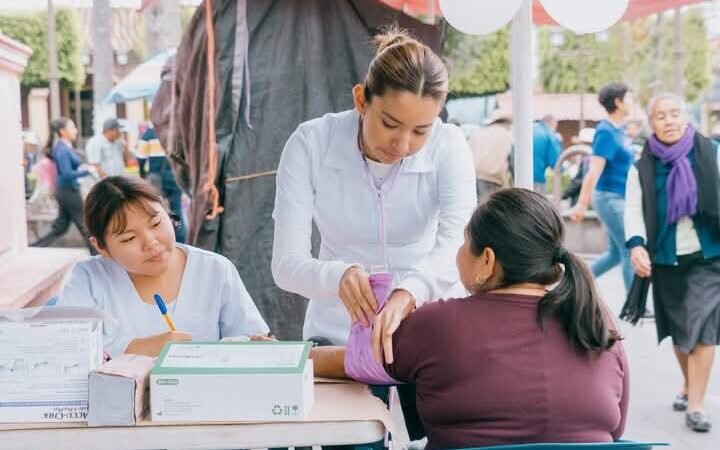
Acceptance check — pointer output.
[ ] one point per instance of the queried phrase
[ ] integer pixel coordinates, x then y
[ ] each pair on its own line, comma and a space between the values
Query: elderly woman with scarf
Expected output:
673, 233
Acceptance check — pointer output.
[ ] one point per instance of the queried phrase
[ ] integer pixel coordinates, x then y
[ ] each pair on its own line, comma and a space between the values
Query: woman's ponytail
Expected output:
576, 304
526, 234
55, 127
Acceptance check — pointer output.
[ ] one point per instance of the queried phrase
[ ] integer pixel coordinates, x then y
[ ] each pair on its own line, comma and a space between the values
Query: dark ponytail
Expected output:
526, 233
55, 127
576, 303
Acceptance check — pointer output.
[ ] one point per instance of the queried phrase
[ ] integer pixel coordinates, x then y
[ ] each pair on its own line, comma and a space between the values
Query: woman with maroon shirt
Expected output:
514, 362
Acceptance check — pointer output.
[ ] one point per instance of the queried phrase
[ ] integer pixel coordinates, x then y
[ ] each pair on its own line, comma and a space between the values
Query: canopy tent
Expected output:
278, 63
141, 82
636, 9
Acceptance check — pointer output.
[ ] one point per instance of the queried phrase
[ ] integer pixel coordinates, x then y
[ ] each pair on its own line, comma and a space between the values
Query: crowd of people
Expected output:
393, 192
61, 170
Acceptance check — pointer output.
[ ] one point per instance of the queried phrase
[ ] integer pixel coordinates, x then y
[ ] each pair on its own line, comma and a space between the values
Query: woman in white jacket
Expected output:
387, 184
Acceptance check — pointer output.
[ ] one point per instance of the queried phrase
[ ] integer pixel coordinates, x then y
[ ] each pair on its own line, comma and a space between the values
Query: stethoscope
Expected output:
380, 191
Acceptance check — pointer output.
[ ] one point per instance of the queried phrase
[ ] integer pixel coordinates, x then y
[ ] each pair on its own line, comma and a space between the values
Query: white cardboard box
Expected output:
119, 391
232, 381
45, 357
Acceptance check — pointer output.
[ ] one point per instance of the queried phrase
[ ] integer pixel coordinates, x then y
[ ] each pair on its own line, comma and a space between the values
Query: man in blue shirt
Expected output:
546, 150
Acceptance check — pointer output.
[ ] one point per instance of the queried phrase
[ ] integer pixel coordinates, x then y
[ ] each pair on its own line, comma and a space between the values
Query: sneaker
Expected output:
680, 403
698, 421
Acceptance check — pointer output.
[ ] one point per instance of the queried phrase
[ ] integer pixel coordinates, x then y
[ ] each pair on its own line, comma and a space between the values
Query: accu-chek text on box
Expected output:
45, 357
232, 381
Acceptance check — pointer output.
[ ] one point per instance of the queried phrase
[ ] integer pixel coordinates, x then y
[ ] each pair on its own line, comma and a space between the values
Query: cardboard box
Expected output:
119, 391
232, 381
45, 357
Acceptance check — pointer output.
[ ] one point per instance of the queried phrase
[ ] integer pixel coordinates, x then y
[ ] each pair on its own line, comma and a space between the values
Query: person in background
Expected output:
672, 223
606, 179
546, 150
584, 139
67, 192
154, 166
108, 152
139, 258
491, 147
636, 137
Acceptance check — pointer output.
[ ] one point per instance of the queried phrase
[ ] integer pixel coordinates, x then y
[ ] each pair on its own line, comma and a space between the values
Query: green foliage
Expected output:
31, 30
697, 58
477, 64
638, 53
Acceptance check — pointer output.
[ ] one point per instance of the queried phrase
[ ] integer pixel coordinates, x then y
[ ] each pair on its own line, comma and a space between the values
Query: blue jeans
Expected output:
610, 208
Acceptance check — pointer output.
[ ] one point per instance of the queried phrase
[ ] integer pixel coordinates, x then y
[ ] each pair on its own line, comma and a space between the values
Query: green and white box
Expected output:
232, 382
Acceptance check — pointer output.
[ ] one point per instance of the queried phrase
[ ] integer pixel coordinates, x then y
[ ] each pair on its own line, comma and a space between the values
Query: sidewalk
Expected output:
655, 378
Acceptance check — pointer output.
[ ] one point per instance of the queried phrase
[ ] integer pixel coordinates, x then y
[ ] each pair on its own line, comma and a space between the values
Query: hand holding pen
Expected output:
153, 345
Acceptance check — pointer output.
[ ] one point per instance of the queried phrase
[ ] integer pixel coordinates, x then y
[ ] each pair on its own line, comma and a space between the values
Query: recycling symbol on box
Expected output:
277, 410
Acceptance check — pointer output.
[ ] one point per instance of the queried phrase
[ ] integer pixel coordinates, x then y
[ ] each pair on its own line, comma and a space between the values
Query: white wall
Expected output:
13, 227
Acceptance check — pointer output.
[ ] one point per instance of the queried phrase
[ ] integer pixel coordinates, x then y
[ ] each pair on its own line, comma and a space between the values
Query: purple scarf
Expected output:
681, 188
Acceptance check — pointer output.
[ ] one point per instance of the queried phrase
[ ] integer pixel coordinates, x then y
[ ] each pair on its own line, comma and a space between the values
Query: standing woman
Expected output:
606, 179
672, 220
67, 192
387, 184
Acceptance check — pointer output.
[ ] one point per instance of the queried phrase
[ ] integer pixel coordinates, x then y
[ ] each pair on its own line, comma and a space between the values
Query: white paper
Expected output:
44, 366
233, 356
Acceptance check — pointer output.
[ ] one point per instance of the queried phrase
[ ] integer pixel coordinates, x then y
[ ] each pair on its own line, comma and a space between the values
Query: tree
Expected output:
639, 53
31, 30
477, 64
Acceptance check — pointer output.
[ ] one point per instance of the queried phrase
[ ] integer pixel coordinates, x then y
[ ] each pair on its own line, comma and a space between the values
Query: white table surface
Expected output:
343, 414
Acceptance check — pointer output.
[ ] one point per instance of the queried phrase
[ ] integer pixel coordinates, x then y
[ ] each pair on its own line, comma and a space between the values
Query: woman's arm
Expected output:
86, 289
328, 362
64, 163
625, 395
597, 165
293, 267
635, 230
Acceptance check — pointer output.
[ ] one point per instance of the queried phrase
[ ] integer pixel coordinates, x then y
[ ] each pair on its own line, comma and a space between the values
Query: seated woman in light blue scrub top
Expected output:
139, 258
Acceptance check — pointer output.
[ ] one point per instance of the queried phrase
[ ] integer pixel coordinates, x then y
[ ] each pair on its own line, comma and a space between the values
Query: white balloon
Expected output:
479, 16
586, 16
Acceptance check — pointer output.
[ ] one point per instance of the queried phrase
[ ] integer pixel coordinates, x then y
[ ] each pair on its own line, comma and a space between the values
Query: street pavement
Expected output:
655, 379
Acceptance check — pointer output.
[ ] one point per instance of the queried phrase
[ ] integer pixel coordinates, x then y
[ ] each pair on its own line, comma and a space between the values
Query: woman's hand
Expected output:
262, 338
357, 295
400, 304
640, 260
152, 345
577, 214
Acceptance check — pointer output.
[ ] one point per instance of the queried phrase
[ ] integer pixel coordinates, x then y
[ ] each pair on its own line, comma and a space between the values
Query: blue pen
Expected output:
163, 311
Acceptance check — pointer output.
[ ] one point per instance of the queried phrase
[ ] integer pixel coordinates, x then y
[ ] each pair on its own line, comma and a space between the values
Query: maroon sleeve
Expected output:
414, 342
625, 397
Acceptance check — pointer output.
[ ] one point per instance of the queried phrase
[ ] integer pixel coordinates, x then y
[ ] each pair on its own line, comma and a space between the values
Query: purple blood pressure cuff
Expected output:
360, 363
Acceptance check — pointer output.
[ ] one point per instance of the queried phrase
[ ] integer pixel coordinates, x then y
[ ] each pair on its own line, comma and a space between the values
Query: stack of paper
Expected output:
45, 357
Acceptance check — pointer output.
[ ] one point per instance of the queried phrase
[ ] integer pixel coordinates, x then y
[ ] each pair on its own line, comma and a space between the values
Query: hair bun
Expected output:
391, 36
